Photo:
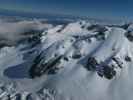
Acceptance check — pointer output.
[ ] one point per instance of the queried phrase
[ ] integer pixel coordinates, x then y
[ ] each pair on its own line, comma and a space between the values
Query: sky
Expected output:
91, 8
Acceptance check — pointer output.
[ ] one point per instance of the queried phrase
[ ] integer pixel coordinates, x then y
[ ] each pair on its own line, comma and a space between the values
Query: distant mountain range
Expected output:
34, 14
50, 16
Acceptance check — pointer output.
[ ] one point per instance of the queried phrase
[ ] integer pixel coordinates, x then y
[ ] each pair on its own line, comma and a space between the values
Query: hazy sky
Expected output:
92, 8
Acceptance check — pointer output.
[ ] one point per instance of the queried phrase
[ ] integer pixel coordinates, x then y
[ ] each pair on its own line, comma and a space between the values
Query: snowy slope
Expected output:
78, 61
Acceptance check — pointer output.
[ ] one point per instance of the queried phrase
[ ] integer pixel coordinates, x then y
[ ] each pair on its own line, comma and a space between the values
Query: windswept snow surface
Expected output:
78, 61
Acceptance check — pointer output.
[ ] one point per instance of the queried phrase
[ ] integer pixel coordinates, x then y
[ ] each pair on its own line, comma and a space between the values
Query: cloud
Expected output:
12, 32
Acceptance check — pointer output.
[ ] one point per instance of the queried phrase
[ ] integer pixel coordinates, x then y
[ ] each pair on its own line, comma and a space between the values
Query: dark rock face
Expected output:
103, 70
4, 44
125, 26
30, 37
108, 72
41, 67
66, 59
83, 27
76, 55
128, 59
129, 36
97, 28
100, 36
118, 62
91, 64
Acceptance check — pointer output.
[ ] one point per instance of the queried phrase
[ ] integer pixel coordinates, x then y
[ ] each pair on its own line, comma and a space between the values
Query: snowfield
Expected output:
77, 61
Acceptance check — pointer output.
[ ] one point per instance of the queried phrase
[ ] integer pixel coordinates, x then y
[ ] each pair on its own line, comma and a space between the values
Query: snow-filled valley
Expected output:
80, 60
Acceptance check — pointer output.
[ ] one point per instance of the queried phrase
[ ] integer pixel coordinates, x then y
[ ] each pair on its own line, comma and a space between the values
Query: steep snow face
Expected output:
75, 82
78, 61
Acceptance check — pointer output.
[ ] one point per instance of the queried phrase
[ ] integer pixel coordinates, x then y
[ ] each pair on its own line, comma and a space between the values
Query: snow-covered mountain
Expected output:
77, 61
